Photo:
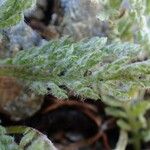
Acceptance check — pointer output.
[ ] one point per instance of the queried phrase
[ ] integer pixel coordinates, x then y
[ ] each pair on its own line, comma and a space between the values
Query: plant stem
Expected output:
136, 141
135, 128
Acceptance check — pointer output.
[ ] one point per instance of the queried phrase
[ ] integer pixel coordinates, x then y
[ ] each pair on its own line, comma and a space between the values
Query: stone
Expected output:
16, 100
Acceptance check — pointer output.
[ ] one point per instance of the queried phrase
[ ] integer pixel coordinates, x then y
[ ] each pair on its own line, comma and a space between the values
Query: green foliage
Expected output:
127, 21
31, 140
131, 118
96, 68
7, 142
89, 68
11, 11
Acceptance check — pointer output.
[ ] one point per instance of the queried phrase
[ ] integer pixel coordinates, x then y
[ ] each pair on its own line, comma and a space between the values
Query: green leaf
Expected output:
124, 125
7, 142
89, 68
11, 11
116, 112
146, 135
32, 139
140, 108
110, 101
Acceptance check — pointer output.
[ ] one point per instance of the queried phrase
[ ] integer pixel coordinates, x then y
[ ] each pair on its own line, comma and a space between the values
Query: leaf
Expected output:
32, 139
116, 112
103, 16
121, 90
146, 135
124, 125
11, 11
110, 101
140, 108
7, 142
87, 92
39, 141
58, 92
89, 68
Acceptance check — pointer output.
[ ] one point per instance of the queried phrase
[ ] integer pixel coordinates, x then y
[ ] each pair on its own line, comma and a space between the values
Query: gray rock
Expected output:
23, 36
16, 100
80, 18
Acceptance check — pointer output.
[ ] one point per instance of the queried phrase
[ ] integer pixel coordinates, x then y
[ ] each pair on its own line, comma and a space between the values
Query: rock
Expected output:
42, 4
3, 46
76, 18
16, 101
24, 36
38, 14
47, 32
80, 18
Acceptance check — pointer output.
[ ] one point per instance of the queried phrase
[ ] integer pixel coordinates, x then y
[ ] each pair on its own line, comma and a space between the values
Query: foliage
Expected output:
31, 140
7, 142
97, 68
127, 20
11, 11
131, 118
88, 68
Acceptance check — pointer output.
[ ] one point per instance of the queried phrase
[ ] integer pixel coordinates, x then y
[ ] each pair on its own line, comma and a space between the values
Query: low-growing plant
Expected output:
108, 69
31, 139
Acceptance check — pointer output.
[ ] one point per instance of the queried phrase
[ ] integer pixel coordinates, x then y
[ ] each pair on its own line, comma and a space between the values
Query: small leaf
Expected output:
124, 125
116, 112
32, 139
140, 108
146, 135
11, 11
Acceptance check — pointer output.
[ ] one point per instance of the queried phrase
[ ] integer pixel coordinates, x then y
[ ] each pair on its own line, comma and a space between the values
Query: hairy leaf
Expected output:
11, 11
89, 68
32, 139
